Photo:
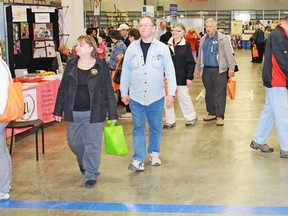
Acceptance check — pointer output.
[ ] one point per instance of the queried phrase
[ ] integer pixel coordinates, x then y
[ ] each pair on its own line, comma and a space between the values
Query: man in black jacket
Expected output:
123, 28
275, 79
166, 36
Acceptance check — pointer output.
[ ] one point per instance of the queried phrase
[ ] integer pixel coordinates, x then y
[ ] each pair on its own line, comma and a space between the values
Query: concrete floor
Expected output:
206, 170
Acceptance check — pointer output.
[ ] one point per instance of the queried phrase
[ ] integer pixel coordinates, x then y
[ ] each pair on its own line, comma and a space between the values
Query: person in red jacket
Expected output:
193, 38
275, 79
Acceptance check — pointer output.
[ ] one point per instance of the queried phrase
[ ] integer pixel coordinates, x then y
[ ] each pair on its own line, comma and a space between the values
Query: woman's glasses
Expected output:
176, 30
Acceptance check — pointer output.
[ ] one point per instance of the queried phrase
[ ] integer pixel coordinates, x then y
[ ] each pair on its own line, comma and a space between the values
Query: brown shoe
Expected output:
283, 154
209, 118
219, 121
262, 147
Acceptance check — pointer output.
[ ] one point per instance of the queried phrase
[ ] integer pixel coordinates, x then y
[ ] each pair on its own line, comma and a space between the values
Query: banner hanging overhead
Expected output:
173, 9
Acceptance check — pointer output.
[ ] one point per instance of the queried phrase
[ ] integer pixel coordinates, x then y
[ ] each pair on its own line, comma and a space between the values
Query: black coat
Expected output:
275, 67
126, 41
183, 61
165, 37
102, 98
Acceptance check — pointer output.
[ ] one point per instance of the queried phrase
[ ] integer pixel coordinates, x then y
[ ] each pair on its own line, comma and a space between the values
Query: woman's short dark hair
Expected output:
115, 34
94, 29
133, 32
89, 31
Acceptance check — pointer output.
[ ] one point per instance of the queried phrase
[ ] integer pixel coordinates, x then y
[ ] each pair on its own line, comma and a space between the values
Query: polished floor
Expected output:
206, 170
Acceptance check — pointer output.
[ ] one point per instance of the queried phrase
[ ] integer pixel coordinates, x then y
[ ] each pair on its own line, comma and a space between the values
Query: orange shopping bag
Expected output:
231, 87
255, 51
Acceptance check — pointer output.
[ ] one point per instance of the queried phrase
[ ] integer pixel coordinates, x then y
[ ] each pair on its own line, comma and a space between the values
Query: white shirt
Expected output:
5, 75
158, 33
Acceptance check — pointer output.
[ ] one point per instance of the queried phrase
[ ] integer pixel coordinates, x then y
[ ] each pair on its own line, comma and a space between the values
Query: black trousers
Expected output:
260, 48
215, 84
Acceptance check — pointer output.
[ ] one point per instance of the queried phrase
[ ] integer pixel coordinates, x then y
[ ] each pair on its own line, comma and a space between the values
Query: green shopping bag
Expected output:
114, 138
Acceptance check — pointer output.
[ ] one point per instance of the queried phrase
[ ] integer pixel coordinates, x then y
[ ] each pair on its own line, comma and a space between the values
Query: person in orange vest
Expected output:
193, 38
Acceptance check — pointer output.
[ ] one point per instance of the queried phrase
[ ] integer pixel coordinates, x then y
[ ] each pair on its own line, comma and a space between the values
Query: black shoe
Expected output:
82, 170
167, 125
90, 184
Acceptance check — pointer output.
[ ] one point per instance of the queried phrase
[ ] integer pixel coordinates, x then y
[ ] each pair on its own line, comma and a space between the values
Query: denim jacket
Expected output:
144, 83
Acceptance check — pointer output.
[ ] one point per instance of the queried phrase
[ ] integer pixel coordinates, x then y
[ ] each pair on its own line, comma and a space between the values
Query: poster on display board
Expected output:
236, 27
3, 53
19, 14
44, 49
24, 30
42, 18
43, 31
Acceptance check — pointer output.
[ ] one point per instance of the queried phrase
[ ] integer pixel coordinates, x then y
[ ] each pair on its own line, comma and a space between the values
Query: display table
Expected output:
39, 99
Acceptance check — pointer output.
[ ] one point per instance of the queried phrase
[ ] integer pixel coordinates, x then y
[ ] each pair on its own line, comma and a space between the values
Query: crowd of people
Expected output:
158, 65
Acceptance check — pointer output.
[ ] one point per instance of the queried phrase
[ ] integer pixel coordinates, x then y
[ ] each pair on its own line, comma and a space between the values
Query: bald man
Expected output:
64, 54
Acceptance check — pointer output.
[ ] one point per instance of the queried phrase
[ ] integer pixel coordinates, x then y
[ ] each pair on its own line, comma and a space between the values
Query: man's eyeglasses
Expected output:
145, 25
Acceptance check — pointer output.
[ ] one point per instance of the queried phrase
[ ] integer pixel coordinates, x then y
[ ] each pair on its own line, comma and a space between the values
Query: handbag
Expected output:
236, 69
231, 87
118, 69
114, 138
15, 102
117, 76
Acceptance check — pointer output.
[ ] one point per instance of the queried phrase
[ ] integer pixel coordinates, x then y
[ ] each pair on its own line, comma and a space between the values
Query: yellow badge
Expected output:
94, 72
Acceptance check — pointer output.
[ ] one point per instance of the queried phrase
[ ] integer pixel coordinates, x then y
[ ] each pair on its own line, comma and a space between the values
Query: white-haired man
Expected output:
217, 62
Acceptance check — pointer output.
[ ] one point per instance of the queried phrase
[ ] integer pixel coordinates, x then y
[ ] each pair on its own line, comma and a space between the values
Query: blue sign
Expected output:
173, 9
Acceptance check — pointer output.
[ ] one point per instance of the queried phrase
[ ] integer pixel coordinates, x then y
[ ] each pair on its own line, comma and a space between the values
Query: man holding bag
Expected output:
217, 62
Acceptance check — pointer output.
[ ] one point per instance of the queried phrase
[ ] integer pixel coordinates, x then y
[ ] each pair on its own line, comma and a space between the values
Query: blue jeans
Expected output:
275, 111
153, 113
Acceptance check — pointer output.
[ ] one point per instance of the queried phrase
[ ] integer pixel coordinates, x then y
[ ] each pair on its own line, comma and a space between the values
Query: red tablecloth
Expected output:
39, 101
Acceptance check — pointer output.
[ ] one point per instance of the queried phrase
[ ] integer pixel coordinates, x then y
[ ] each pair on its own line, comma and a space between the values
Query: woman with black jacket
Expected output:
184, 67
86, 96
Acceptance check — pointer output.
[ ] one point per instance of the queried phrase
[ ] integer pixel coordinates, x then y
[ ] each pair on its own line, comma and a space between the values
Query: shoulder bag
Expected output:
15, 102
118, 69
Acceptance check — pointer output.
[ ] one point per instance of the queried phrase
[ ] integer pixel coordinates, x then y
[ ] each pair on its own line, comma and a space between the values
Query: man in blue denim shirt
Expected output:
146, 62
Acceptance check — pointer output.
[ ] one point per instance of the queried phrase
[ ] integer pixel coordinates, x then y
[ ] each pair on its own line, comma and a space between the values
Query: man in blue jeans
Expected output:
275, 79
146, 62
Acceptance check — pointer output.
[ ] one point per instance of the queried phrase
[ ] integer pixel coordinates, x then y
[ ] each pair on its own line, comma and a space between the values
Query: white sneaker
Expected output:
154, 158
4, 196
137, 166
127, 115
